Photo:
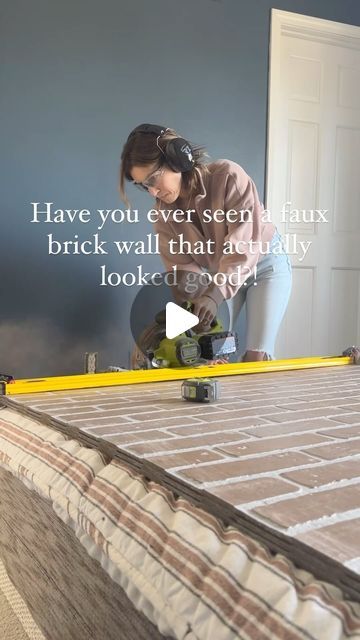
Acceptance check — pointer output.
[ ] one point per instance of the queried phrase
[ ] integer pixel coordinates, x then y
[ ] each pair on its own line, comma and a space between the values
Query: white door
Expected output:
313, 164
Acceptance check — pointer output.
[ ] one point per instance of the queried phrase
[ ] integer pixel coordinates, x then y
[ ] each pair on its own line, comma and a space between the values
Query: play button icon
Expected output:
160, 311
178, 320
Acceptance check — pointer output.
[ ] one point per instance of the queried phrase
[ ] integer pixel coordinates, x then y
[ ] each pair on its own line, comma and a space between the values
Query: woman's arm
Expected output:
184, 263
241, 195
166, 233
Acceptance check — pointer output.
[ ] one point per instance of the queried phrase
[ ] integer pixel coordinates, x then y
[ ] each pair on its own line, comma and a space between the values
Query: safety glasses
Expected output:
151, 181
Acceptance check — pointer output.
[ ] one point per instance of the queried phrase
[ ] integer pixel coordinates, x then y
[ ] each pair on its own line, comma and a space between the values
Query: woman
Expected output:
239, 237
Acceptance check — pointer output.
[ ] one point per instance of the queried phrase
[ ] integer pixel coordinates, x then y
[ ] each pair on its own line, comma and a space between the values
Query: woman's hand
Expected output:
211, 363
205, 308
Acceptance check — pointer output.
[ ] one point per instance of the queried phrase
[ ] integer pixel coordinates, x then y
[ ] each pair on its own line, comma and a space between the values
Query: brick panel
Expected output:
324, 474
247, 491
312, 413
265, 412
185, 458
96, 424
283, 447
343, 432
291, 427
188, 443
290, 512
223, 471
224, 425
267, 445
329, 404
338, 539
350, 419
336, 450
123, 439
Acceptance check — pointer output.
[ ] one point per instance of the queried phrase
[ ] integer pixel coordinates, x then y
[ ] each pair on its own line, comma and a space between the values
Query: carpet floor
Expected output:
16, 621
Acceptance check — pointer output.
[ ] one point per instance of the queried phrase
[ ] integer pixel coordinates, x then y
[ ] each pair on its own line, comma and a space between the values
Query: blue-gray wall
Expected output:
76, 76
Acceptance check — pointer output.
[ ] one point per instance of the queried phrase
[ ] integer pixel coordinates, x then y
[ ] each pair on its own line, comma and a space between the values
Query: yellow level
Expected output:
92, 380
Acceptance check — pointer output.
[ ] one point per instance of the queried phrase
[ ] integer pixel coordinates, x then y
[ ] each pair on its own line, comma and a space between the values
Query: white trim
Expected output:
317, 29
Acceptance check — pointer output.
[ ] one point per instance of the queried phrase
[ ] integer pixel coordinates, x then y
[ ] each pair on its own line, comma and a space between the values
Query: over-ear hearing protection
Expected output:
178, 152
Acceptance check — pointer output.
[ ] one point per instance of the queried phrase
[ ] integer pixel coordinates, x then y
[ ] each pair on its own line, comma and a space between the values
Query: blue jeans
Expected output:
266, 298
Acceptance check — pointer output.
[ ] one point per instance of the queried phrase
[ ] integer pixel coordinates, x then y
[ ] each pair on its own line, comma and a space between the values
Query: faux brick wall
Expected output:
283, 447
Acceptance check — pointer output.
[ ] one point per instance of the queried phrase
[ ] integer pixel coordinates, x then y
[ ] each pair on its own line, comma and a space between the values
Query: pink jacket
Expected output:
227, 186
